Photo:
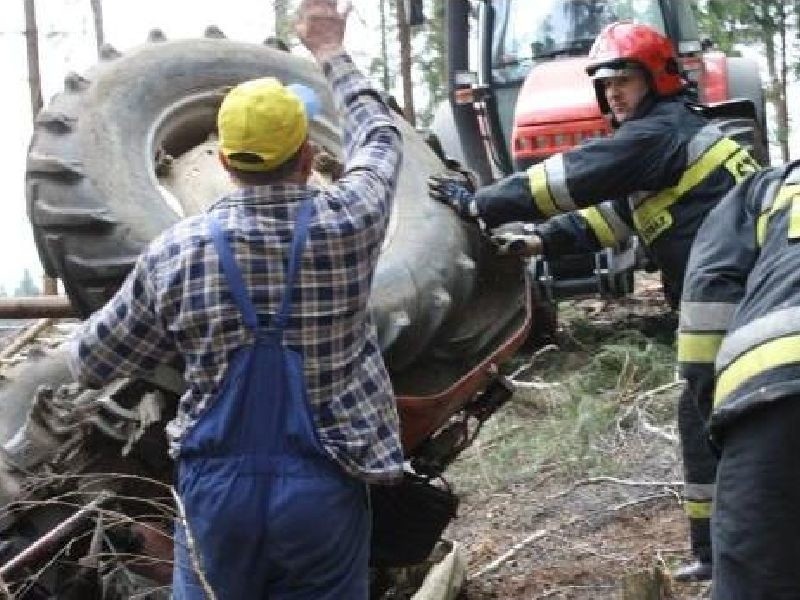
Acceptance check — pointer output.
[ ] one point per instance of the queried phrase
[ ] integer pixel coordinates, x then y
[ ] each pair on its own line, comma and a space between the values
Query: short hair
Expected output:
276, 175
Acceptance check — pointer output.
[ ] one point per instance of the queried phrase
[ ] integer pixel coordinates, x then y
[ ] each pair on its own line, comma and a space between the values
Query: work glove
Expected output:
517, 239
457, 190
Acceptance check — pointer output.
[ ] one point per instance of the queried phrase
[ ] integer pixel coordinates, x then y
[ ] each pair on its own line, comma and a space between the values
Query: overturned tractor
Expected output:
125, 151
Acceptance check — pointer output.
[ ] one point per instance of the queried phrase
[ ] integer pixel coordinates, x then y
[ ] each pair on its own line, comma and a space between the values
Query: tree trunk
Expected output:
773, 89
782, 106
651, 584
283, 29
32, 42
35, 84
97, 13
404, 36
387, 82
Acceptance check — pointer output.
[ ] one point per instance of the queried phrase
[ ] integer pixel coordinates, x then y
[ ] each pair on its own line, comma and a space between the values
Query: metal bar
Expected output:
36, 307
47, 544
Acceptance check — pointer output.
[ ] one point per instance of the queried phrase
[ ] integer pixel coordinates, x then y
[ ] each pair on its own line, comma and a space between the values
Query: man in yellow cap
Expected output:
263, 129
289, 409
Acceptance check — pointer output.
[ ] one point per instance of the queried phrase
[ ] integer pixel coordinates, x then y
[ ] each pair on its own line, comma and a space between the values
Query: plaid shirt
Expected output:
176, 300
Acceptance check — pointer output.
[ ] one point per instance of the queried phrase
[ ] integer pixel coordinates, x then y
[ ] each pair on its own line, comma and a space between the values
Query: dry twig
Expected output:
570, 588
642, 500
497, 562
529, 364
27, 336
614, 480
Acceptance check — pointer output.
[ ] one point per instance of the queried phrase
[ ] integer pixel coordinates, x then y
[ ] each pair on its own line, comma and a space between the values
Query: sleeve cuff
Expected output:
71, 349
337, 66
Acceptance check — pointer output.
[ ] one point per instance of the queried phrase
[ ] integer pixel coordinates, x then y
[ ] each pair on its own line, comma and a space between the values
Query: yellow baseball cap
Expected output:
262, 123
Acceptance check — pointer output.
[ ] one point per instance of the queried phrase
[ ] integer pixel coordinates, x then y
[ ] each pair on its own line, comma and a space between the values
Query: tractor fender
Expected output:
744, 81
460, 140
714, 84
735, 78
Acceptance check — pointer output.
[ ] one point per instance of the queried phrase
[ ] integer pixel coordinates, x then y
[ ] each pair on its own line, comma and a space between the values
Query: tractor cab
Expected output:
524, 62
539, 52
519, 93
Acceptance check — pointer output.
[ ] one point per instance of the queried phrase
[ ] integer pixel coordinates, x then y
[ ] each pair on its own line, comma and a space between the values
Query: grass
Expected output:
571, 429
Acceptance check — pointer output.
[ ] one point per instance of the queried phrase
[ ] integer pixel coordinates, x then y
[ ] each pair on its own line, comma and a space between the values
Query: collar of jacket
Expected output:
278, 193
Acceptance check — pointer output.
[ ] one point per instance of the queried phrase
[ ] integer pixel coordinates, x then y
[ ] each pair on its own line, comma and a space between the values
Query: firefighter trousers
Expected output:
699, 472
756, 523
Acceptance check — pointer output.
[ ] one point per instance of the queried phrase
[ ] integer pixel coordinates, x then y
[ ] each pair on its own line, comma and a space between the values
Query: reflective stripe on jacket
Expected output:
739, 336
658, 175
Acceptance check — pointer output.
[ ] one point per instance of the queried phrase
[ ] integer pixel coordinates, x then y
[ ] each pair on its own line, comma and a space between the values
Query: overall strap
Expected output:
233, 275
298, 244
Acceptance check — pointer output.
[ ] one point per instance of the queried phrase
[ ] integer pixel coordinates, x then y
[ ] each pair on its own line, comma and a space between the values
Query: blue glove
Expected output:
457, 191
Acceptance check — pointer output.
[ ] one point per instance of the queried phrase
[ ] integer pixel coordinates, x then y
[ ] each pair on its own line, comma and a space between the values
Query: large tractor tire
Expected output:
93, 195
129, 149
124, 152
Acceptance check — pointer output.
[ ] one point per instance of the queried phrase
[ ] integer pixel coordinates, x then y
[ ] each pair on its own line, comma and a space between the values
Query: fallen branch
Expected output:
641, 500
192, 550
670, 437
615, 480
492, 566
25, 337
529, 364
535, 385
584, 547
647, 395
570, 588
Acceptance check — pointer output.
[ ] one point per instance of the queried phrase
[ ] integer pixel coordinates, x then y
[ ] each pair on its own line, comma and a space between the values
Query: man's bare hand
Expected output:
517, 239
320, 26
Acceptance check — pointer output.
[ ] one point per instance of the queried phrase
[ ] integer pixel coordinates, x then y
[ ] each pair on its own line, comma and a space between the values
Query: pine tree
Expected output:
764, 22
26, 286
284, 30
431, 61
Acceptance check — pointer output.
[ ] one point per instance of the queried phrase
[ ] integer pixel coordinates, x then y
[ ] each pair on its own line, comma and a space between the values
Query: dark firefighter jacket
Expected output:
658, 175
739, 337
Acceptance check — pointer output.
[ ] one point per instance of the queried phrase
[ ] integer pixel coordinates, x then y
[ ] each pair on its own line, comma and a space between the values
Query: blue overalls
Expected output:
269, 513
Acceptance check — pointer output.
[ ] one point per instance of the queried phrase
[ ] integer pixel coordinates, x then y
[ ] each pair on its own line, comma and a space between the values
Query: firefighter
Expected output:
664, 168
739, 348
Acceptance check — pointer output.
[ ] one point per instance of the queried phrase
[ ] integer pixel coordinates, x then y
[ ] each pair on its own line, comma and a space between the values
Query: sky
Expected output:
67, 43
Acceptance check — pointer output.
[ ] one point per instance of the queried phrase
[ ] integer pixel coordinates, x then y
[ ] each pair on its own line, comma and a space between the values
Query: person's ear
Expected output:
307, 153
223, 160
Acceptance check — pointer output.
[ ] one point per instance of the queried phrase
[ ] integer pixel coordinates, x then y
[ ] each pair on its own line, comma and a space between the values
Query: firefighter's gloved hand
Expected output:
457, 190
517, 239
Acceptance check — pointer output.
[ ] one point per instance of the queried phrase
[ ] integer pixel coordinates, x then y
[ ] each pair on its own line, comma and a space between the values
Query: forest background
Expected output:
407, 62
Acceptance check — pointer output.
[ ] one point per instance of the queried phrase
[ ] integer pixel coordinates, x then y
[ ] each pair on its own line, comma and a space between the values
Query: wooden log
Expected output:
36, 307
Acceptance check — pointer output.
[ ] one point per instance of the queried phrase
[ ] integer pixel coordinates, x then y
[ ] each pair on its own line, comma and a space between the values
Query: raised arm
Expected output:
371, 137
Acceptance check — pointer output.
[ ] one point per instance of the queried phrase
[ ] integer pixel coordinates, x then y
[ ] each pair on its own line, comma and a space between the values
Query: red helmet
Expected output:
626, 44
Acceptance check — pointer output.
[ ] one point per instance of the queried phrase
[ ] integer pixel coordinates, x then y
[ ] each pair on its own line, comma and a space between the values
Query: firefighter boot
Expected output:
699, 569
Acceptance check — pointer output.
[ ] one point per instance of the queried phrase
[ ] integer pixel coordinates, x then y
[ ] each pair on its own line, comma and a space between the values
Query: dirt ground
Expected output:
571, 491
602, 529
597, 541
